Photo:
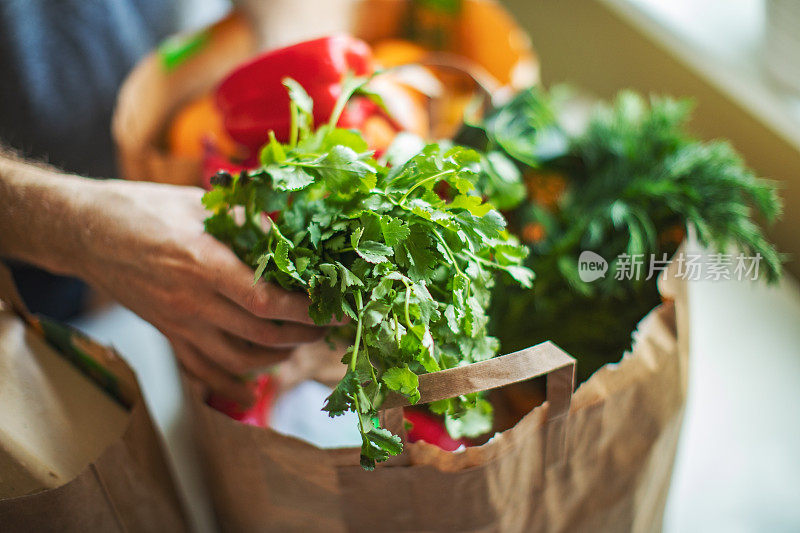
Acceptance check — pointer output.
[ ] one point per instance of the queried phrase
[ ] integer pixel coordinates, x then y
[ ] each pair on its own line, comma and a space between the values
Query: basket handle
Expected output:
545, 359
483, 80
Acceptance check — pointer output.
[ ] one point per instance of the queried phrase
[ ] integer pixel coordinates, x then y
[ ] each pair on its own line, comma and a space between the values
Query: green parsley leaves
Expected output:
407, 250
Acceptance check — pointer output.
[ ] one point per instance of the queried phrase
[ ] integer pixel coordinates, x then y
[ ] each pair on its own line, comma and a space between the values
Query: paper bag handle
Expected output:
545, 359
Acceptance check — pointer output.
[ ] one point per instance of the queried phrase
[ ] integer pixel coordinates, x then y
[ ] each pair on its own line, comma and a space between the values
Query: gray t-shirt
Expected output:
61, 64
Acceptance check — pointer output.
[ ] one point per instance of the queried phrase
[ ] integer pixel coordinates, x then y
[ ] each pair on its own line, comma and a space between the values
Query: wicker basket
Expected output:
155, 90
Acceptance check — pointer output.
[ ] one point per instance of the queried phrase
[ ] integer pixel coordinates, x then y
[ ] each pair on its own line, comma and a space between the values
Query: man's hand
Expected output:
145, 246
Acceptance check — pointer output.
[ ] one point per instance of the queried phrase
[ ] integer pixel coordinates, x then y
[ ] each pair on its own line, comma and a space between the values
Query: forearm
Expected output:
39, 214
144, 244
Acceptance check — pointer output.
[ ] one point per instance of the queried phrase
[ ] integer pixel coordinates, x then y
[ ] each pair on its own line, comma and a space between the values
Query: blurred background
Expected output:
739, 458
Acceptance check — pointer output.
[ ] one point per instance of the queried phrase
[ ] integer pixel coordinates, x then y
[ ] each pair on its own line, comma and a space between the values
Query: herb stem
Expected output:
357, 344
294, 125
371, 367
396, 328
350, 85
426, 180
481, 259
249, 209
408, 299
448, 250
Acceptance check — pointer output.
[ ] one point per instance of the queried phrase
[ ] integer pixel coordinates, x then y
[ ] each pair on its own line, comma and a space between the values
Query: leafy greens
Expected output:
630, 182
377, 242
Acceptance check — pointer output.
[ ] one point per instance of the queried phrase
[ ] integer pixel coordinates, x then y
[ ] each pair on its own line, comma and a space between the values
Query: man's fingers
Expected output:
262, 331
266, 300
235, 355
234, 280
214, 377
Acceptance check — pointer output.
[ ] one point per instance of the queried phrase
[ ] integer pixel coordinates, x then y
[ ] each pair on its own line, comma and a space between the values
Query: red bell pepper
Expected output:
424, 426
254, 101
264, 389
214, 161
428, 428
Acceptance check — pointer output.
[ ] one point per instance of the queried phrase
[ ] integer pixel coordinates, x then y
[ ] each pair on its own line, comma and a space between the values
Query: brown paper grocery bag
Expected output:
596, 460
264, 481
110, 477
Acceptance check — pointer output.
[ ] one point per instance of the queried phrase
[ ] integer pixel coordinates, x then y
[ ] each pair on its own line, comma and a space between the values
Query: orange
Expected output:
544, 187
533, 233
196, 123
393, 52
488, 35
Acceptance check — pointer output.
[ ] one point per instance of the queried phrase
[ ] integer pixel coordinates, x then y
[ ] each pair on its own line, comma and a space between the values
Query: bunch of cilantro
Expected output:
378, 241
